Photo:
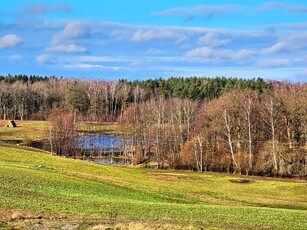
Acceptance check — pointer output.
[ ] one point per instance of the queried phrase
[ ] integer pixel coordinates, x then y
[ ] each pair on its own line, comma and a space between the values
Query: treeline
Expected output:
34, 97
219, 124
23, 78
196, 88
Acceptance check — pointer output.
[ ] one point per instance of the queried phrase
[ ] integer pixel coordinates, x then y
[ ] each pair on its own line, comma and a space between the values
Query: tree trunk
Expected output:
289, 136
4, 112
273, 135
196, 158
228, 134
249, 124
201, 153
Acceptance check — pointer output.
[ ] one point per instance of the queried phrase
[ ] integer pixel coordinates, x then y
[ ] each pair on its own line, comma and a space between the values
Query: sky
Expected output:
141, 39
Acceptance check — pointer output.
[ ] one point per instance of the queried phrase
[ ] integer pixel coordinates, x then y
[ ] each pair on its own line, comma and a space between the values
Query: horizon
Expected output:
140, 40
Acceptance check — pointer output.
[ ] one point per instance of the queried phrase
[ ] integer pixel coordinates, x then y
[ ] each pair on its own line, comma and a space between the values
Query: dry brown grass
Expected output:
170, 176
13, 215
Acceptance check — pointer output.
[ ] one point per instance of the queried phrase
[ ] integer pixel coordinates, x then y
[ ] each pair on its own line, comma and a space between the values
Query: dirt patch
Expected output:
170, 176
22, 219
241, 181
206, 198
103, 225
12, 215
2, 123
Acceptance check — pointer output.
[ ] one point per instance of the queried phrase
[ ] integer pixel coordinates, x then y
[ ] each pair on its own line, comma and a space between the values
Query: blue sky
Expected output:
136, 39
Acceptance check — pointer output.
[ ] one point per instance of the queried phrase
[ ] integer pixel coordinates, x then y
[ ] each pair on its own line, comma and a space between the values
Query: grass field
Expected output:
36, 184
25, 131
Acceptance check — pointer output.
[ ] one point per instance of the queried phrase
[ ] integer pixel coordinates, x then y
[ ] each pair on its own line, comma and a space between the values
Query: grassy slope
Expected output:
39, 182
35, 181
25, 131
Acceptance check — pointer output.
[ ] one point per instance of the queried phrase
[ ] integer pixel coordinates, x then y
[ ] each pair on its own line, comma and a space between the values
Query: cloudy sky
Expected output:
139, 39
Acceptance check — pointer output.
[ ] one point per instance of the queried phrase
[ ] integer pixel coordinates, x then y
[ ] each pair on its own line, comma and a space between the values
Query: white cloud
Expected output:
201, 52
87, 66
174, 11
200, 11
151, 34
15, 57
65, 41
279, 47
45, 59
10, 40
213, 40
103, 59
42, 8
76, 29
274, 63
69, 48
288, 43
204, 54
120, 34
299, 9
241, 55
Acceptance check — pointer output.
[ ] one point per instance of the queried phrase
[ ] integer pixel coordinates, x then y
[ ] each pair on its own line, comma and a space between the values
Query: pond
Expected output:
98, 141
103, 149
110, 160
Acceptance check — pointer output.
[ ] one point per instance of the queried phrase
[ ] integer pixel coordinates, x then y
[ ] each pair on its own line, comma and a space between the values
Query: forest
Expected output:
242, 126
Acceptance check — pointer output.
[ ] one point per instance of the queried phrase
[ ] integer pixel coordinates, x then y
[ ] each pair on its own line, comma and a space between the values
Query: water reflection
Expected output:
103, 149
98, 141
110, 161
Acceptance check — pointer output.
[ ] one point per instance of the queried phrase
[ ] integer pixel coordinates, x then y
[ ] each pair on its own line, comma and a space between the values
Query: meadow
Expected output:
38, 187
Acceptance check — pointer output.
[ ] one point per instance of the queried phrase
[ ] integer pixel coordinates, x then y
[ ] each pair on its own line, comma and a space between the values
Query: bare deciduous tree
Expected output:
61, 132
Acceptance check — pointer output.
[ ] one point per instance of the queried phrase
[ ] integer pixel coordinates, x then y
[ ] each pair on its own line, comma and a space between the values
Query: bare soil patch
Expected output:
241, 181
12, 215
170, 176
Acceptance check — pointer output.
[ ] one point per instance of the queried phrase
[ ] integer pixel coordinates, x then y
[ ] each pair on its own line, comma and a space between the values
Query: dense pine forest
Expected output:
248, 126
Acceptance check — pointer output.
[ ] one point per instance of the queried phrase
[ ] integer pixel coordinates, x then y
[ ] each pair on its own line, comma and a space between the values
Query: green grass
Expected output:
35, 181
36, 130
25, 131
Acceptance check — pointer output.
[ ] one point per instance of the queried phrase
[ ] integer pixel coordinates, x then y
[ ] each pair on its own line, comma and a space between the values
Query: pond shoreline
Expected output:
102, 149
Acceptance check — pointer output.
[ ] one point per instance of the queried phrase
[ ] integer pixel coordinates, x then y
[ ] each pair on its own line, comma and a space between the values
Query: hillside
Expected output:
55, 187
